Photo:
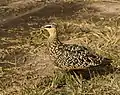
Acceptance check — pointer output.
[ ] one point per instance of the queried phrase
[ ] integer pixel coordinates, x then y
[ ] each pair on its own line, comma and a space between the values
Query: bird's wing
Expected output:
79, 57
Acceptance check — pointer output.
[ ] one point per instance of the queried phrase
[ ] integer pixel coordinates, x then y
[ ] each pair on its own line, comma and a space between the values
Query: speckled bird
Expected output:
71, 56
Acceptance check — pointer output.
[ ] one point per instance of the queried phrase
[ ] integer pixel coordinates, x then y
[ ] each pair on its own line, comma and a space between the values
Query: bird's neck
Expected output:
53, 40
53, 45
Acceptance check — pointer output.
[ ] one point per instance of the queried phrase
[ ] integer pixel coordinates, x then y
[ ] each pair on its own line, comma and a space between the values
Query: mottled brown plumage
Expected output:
71, 56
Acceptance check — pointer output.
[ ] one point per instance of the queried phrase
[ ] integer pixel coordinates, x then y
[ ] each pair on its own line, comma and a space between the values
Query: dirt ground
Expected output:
25, 63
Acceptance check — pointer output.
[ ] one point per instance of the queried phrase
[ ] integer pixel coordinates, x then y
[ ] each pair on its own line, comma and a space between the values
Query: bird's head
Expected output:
50, 28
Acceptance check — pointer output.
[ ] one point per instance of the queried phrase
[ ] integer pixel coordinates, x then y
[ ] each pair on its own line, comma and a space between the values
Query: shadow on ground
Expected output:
96, 71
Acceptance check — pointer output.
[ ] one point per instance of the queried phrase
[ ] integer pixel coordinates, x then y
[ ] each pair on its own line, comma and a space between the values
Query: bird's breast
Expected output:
55, 50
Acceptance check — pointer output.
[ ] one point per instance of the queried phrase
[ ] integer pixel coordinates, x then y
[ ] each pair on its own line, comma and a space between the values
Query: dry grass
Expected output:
27, 59
104, 39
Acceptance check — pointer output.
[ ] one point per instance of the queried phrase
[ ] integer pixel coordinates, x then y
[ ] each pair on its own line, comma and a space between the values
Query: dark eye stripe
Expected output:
48, 27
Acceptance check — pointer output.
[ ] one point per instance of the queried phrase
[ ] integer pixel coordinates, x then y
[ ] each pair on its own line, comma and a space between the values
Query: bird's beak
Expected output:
42, 28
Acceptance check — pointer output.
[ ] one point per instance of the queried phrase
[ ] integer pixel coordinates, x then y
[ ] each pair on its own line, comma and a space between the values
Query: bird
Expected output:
71, 56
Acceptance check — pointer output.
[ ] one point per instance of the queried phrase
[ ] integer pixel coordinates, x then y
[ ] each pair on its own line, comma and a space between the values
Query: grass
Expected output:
23, 75
104, 38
